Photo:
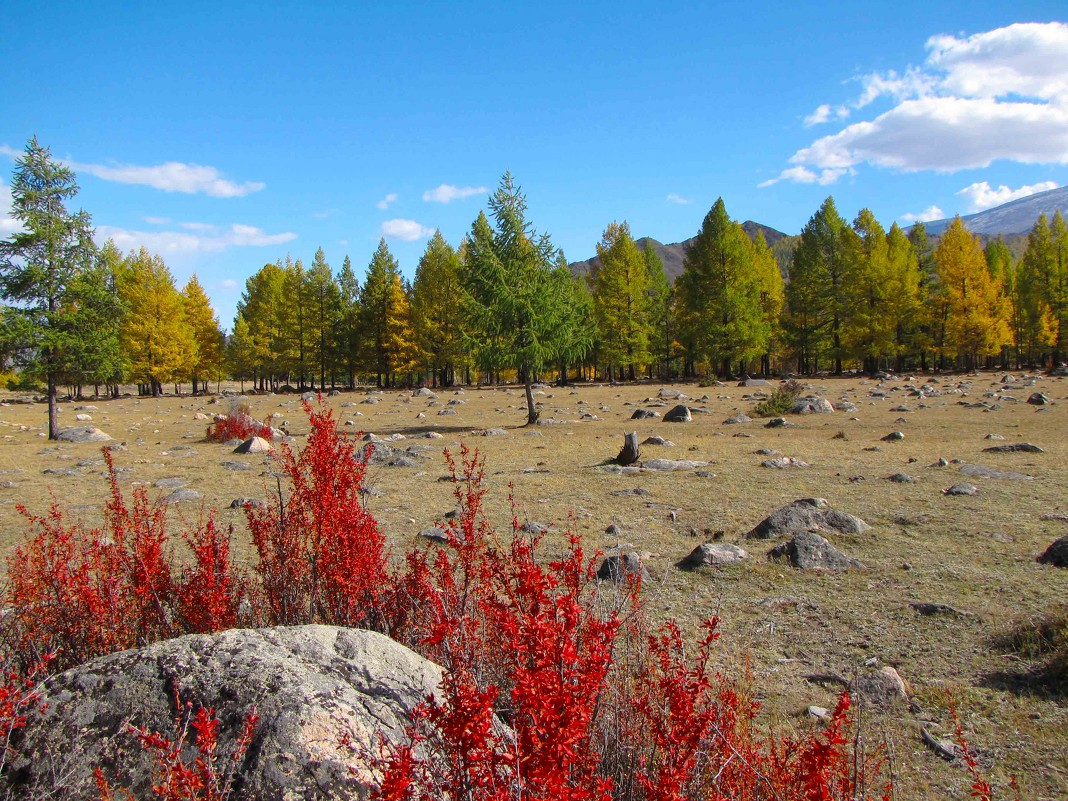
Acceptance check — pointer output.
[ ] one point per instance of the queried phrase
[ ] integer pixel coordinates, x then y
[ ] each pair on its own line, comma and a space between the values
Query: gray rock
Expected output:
644, 414
901, 478
622, 567
424, 392
310, 685
82, 434
664, 465
806, 514
1016, 447
254, 445
980, 471
435, 534
1056, 554
183, 495
1038, 399
714, 554
961, 489
446, 410
170, 483
883, 688
777, 422
678, 414
893, 436
807, 550
241, 503
656, 439
754, 382
236, 466
811, 405
783, 462
494, 432
737, 418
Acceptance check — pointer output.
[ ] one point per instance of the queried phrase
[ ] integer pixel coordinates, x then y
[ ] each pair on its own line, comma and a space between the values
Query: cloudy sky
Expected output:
223, 139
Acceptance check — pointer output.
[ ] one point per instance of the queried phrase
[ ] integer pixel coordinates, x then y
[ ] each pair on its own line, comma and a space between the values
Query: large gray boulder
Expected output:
807, 550
82, 434
713, 554
1056, 554
678, 414
812, 404
806, 514
311, 686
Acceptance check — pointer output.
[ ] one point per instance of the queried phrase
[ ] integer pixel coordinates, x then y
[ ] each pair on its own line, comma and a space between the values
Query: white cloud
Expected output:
228, 283
385, 202
405, 230
8, 224
207, 239
173, 176
998, 95
10, 152
674, 198
982, 196
447, 193
157, 220
928, 214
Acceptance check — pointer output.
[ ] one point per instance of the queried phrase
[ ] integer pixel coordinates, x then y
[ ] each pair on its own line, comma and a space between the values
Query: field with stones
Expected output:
942, 576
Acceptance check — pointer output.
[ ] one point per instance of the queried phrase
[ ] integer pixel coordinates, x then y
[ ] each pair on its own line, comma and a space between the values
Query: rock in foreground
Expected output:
806, 514
309, 684
809, 551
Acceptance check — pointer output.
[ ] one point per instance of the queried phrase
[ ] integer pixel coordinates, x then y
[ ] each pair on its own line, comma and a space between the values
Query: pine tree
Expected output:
720, 291
902, 304
377, 338
660, 317
346, 340
771, 287
517, 300
435, 310
868, 332
155, 335
324, 302
621, 303
928, 326
1034, 322
206, 356
259, 307
241, 352
971, 302
38, 266
294, 321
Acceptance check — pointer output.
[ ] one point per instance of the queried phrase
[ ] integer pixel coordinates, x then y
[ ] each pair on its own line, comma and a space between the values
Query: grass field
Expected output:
975, 553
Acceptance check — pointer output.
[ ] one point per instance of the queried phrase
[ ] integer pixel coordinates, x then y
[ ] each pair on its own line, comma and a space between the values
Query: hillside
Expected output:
1014, 217
672, 255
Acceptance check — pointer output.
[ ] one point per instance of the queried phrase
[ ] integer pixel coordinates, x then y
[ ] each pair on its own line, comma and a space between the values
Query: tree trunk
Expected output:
53, 411
630, 452
532, 412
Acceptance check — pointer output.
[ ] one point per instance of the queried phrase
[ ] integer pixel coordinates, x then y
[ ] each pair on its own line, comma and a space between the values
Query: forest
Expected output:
503, 305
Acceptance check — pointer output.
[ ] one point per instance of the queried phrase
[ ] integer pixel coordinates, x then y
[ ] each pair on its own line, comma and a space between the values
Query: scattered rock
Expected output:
435, 534
656, 439
901, 478
778, 422
83, 434
183, 495
170, 483
644, 414
236, 466
820, 713
636, 491
893, 436
424, 392
1016, 447
714, 554
807, 550
806, 514
961, 489
311, 686
254, 445
241, 503
678, 414
1038, 399
622, 566
783, 462
1056, 554
884, 687
494, 432
927, 609
738, 418
661, 465
811, 405
980, 471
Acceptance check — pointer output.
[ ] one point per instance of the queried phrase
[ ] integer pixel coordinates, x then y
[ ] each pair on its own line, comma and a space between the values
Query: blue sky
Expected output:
224, 138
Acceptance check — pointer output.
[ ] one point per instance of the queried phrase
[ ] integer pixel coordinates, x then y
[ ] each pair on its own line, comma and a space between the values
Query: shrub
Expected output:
781, 400
238, 423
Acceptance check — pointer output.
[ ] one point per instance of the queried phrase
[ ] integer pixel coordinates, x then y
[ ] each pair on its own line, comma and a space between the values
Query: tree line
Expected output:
503, 304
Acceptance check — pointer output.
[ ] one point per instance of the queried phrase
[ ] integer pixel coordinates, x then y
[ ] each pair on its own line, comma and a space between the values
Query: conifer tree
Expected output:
206, 357
902, 305
1034, 322
39, 264
621, 303
379, 321
155, 334
241, 352
661, 295
294, 315
259, 307
346, 340
720, 291
435, 310
971, 301
772, 297
517, 301
324, 302
869, 332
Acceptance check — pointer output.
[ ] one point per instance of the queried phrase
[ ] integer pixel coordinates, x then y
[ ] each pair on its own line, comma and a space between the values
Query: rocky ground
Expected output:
938, 493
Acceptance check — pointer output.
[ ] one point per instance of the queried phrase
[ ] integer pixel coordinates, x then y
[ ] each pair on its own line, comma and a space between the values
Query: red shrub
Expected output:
239, 424
210, 592
322, 558
20, 695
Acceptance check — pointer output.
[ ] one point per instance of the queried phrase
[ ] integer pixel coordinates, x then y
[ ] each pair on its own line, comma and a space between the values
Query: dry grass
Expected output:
974, 553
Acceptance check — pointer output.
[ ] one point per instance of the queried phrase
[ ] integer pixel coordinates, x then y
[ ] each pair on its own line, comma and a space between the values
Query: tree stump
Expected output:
630, 452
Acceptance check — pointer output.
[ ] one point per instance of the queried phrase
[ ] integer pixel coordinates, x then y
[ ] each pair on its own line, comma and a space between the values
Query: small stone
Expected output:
961, 489
901, 478
182, 495
893, 436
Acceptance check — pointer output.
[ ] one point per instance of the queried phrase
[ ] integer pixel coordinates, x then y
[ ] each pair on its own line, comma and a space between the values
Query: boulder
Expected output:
310, 686
622, 566
644, 414
660, 465
806, 514
714, 554
82, 434
254, 445
424, 392
783, 462
1038, 399
981, 471
737, 418
183, 495
656, 439
883, 687
678, 414
1056, 554
1016, 447
807, 550
811, 405
963, 488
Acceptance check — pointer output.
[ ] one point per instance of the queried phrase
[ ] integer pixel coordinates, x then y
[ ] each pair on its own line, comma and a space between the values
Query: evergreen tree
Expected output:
771, 287
379, 321
1057, 293
971, 302
259, 307
621, 301
905, 313
869, 332
241, 352
155, 334
660, 317
720, 291
518, 301
206, 355
324, 301
435, 304
346, 340
1033, 321
578, 329
294, 315
39, 265
93, 316
928, 326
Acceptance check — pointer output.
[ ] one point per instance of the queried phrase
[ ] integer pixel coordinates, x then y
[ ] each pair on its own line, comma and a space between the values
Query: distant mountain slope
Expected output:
672, 255
1014, 217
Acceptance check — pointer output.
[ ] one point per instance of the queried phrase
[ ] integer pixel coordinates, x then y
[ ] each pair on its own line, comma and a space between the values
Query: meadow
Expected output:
793, 630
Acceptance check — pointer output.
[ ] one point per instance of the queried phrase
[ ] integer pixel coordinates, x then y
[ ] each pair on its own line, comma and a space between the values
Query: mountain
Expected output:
674, 254
1014, 217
